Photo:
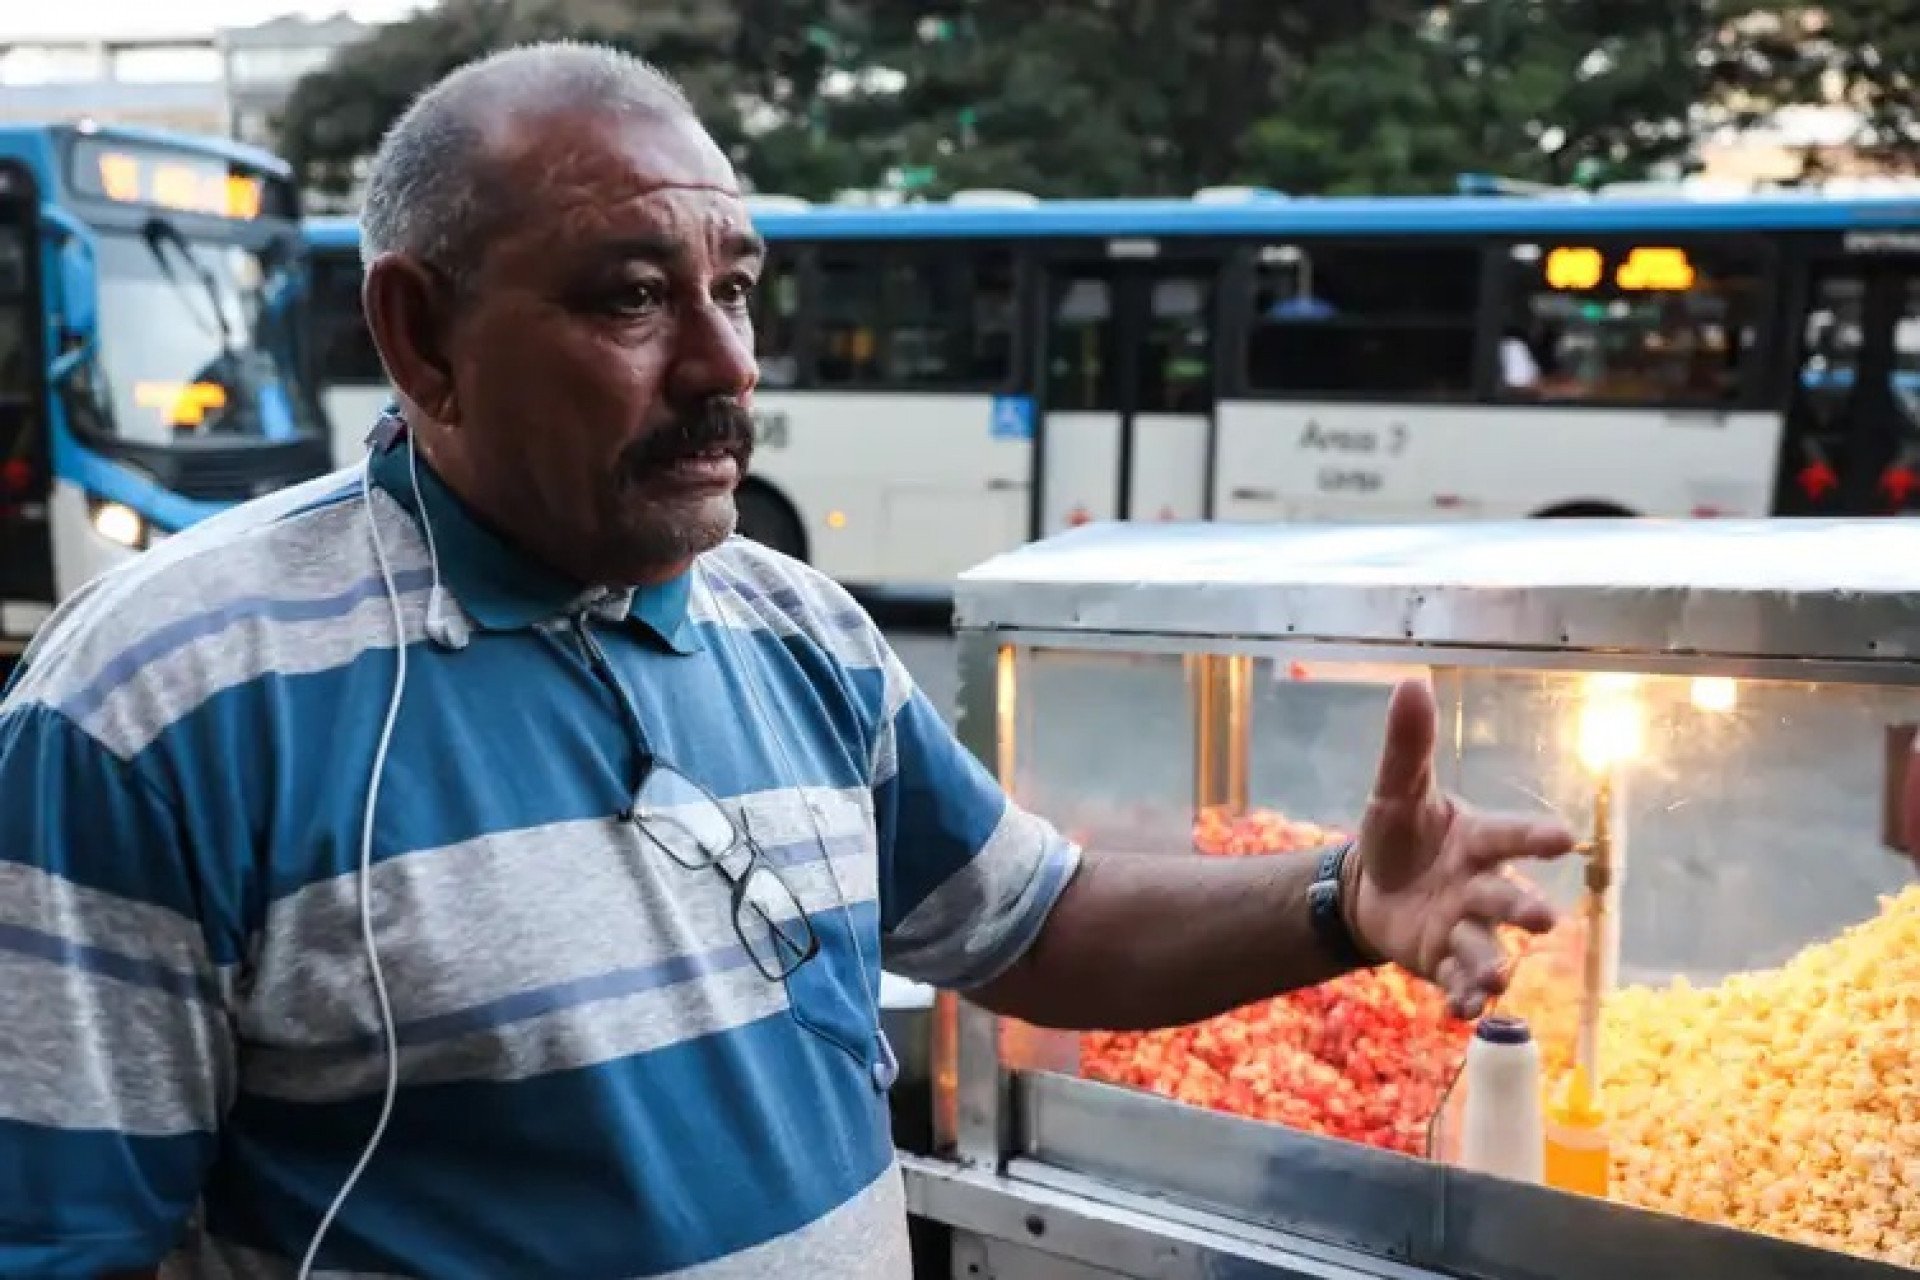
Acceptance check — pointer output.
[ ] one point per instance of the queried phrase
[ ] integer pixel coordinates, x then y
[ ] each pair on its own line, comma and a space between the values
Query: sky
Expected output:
23, 19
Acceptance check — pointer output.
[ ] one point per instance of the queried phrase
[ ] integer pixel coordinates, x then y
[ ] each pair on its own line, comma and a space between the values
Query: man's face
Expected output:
602, 359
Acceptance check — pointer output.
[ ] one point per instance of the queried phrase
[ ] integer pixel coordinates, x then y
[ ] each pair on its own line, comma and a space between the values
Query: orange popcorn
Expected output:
1366, 1057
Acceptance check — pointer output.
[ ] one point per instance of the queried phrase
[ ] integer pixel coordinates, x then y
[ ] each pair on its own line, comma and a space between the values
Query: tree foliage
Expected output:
1859, 54
1554, 92
1141, 97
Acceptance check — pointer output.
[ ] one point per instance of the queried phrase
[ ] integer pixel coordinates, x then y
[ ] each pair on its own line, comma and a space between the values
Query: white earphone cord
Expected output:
389, 1033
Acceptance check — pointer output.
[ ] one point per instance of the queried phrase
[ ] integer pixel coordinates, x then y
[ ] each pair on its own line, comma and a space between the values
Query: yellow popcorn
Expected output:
1785, 1101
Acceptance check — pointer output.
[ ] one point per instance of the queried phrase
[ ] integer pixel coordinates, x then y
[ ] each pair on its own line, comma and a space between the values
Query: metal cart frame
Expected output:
1048, 1175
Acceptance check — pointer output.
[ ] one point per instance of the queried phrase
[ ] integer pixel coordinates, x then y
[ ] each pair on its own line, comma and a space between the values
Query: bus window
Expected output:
16, 361
989, 342
920, 322
1831, 349
1906, 357
850, 315
1176, 371
776, 305
26, 548
346, 354
925, 322
1905, 390
191, 345
1650, 325
1080, 343
21, 460
1364, 321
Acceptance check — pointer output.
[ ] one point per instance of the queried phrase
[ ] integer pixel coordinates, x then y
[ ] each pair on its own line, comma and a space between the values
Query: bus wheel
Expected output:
769, 520
1583, 511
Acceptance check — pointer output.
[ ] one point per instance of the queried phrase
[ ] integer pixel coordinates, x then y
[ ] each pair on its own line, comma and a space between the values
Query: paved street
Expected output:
1748, 833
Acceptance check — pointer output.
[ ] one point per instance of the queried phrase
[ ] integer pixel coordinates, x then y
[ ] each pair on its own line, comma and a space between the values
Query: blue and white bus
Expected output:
153, 363
943, 381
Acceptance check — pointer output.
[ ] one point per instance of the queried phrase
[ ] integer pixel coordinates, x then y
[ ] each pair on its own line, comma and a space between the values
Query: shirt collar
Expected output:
501, 588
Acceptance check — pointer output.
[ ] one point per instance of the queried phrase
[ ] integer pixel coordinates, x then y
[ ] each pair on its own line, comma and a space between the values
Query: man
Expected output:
554, 951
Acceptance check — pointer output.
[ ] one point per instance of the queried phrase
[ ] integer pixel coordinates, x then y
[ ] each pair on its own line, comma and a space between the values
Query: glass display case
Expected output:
1725, 1013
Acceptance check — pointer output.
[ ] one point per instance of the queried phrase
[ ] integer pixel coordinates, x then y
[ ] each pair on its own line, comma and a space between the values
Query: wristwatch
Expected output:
1327, 908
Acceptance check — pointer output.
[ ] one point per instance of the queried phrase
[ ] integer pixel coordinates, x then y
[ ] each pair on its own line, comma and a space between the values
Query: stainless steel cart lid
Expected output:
1816, 589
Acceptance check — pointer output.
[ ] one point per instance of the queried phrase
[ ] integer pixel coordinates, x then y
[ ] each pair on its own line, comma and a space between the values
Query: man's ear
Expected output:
408, 314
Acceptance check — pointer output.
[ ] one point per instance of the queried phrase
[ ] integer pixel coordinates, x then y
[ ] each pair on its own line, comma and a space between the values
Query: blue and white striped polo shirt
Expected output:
594, 1081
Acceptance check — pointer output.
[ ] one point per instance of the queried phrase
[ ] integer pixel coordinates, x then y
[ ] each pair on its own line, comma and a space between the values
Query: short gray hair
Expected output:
431, 192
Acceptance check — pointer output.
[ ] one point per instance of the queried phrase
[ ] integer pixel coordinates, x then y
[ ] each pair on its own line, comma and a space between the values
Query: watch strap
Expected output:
1327, 909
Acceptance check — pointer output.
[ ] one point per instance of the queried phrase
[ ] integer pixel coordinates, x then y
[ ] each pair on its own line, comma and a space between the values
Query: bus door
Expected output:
1852, 444
1128, 393
26, 546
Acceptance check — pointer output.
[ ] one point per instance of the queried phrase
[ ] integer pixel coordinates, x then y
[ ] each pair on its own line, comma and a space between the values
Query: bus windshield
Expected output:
198, 339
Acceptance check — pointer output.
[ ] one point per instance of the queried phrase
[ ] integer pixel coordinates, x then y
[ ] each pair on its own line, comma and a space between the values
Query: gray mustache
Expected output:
716, 424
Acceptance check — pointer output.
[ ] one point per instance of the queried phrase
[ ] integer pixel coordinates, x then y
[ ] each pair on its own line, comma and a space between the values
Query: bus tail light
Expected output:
16, 485
1817, 480
1899, 483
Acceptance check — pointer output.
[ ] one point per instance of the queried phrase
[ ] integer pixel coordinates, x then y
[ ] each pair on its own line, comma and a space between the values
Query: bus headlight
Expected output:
119, 523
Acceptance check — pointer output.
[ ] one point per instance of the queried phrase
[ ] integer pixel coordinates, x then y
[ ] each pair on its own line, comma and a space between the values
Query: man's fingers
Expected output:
1496, 900
1406, 758
1514, 874
1446, 976
1478, 968
1489, 840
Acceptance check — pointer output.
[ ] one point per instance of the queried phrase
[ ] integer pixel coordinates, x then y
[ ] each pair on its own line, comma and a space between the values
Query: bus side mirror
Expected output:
281, 249
73, 270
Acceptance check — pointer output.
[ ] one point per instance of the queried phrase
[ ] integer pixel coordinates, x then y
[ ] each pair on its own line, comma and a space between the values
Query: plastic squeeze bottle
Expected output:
1579, 1154
1501, 1132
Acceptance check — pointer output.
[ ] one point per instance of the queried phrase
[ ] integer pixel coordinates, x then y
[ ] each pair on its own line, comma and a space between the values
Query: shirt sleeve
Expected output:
116, 1056
967, 876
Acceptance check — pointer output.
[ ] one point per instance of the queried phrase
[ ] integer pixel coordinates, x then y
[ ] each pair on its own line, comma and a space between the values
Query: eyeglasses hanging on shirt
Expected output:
687, 822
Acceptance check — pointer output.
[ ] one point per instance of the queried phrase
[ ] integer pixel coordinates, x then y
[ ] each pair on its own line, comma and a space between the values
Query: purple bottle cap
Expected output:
1500, 1029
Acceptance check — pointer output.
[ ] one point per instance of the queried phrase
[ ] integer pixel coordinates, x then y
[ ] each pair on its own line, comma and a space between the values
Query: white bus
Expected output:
944, 381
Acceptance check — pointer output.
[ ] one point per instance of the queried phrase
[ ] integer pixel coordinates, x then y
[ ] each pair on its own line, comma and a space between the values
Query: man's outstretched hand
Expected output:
1432, 886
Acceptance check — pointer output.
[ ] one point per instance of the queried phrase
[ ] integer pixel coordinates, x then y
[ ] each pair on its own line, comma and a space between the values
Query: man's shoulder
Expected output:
290, 552
754, 585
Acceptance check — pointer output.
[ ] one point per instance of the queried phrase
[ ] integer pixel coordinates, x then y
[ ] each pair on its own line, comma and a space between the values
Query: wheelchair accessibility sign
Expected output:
1012, 418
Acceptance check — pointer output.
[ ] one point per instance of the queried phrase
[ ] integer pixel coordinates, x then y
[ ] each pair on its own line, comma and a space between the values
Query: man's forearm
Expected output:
1141, 941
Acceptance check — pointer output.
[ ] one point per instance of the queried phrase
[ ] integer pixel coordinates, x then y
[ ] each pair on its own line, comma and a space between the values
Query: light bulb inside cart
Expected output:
1612, 731
1715, 693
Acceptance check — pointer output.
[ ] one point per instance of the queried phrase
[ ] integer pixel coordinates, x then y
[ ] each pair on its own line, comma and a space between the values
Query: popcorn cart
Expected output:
1726, 1013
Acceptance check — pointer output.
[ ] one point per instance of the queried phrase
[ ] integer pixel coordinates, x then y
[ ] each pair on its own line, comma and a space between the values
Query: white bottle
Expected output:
1503, 1132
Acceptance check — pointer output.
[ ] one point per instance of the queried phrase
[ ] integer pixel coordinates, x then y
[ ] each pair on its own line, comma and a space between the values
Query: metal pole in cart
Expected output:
1610, 738
1220, 688
971, 1088
1597, 905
